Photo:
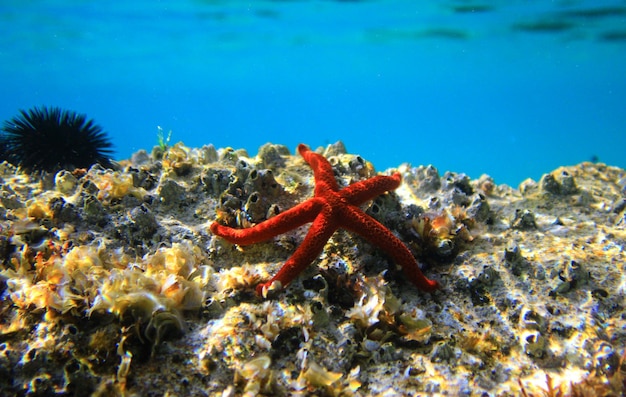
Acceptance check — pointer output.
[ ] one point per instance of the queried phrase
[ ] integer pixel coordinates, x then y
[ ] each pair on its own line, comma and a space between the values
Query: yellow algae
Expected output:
179, 259
318, 376
235, 278
124, 369
38, 210
256, 376
177, 159
113, 185
371, 303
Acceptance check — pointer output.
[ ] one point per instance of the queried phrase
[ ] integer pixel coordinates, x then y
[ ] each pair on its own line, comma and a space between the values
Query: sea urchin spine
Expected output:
49, 139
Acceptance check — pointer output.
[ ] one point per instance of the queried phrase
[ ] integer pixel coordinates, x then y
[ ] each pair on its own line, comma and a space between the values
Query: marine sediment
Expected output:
112, 284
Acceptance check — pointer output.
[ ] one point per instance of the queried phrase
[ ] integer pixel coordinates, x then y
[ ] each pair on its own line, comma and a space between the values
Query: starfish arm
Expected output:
322, 170
329, 209
373, 231
281, 223
360, 192
322, 228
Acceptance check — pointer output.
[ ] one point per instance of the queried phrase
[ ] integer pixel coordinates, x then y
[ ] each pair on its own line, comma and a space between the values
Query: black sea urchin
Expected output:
49, 139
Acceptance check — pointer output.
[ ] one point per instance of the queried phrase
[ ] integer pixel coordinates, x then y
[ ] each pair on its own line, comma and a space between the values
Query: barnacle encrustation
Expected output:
442, 233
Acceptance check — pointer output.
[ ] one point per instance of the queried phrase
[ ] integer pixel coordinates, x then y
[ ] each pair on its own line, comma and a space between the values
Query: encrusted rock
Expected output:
216, 181
272, 156
335, 149
139, 158
524, 220
171, 193
263, 182
94, 211
428, 179
561, 184
208, 154
513, 253
63, 211
256, 207
144, 223
65, 182
550, 184
94, 279
478, 208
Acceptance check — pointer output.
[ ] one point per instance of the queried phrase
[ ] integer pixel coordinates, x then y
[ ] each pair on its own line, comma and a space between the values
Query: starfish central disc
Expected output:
329, 209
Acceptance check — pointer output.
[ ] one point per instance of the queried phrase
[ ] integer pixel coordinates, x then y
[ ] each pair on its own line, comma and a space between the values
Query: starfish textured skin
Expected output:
329, 209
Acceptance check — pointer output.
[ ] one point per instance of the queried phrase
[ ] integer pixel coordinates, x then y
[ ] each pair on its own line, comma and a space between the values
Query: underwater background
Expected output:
513, 89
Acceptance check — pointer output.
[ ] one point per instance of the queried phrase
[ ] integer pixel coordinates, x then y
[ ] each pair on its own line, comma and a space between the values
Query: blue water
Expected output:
512, 89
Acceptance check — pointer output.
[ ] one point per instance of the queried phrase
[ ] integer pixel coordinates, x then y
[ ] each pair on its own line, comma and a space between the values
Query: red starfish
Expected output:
329, 209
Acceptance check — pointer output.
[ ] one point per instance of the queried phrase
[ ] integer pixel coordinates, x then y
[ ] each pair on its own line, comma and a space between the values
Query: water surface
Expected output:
512, 89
